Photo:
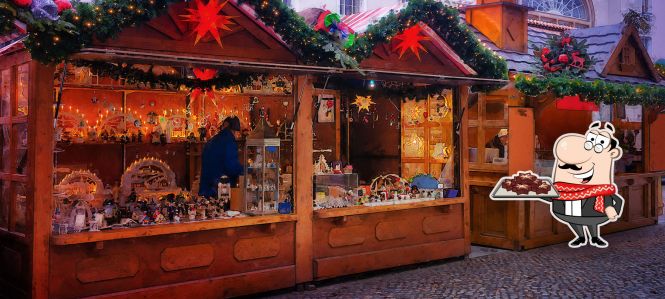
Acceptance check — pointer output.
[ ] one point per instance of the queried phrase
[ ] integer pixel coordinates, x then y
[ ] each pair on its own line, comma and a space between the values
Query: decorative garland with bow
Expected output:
564, 62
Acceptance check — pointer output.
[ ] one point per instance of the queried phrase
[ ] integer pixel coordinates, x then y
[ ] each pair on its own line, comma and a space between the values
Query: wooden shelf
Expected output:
166, 229
488, 167
359, 210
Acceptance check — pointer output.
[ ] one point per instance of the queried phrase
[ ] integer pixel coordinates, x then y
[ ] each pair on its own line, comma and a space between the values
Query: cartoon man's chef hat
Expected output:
502, 132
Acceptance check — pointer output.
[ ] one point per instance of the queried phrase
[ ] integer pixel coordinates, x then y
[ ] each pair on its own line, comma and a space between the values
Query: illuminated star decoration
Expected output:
410, 39
363, 103
208, 20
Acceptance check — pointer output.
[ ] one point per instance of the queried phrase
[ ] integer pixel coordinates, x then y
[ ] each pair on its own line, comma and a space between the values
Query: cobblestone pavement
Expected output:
633, 266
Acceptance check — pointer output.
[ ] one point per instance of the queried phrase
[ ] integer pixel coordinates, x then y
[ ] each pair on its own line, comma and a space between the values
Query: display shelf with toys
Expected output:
148, 141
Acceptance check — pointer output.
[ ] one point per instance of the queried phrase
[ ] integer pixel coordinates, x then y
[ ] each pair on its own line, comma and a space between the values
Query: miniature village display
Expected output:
146, 196
337, 187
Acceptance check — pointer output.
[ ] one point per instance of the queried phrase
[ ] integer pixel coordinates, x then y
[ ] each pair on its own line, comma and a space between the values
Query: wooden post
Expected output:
40, 155
463, 94
521, 155
303, 171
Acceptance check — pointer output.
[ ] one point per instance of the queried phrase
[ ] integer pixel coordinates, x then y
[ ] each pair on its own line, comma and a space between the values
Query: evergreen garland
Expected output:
54, 41
133, 75
598, 91
445, 21
560, 77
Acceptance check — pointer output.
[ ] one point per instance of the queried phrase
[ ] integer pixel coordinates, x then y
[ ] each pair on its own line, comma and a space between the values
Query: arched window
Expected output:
571, 13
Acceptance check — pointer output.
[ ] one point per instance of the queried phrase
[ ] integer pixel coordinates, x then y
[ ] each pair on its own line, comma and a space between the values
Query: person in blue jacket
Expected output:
220, 157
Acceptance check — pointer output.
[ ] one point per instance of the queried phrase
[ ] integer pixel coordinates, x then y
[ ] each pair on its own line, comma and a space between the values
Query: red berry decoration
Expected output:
543, 58
563, 58
62, 5
23, 3
546, 51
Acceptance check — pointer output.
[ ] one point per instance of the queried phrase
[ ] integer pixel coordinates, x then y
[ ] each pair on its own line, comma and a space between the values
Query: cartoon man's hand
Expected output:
611, 213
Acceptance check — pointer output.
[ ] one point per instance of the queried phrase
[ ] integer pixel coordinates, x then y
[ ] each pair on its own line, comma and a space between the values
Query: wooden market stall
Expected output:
391, 133
534, 123
113, 136
102, 153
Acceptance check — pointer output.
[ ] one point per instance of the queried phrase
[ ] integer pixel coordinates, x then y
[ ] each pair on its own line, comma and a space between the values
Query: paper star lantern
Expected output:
410, 40
204, 74
208, 20
363, 103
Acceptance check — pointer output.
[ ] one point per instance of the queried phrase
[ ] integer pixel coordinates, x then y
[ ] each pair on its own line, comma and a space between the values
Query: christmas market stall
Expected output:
562, 79
180, 148
389, 174
103, 192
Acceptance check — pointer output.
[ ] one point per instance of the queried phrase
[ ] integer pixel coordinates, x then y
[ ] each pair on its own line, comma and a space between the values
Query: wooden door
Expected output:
427, 134
24, 236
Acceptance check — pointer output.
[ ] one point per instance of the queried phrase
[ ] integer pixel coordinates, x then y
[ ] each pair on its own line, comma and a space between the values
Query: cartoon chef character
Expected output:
583, 174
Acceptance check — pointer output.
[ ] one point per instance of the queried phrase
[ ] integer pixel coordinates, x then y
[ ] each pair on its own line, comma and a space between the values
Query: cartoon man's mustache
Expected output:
570, 166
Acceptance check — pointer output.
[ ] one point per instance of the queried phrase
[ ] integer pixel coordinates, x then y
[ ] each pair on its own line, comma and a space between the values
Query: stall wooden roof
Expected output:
604, 44
169, 35
439, 59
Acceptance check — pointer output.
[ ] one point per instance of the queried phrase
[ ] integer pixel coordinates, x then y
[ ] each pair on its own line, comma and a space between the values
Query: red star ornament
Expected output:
204, 74
410, 39
208, 20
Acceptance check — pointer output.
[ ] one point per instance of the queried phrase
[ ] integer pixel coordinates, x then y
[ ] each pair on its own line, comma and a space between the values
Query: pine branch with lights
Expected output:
562, 64
54, 40
445, 21
132, 75
598, 91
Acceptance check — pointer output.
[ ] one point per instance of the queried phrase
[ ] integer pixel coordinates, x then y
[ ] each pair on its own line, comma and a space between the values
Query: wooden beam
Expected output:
303, 171
40, 167
462, 93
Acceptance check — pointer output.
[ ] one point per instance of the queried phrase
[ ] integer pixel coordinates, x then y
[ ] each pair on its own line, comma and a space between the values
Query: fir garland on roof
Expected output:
598, 91
445, 21
52, 41
133, 75
561, 67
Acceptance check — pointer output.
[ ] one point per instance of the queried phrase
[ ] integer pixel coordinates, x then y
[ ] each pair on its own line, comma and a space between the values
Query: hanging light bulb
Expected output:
372, 84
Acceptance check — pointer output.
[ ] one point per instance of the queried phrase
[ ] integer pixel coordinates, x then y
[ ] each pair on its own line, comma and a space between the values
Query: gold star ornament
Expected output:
363, 103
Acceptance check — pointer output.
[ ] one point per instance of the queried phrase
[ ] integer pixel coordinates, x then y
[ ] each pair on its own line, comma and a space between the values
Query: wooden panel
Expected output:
656, 144
442, 224
225, 272
40, 163
187, 257
217, 287
168, 229
107, 267
391, 230
256, 248
303, 172
247, 41
363, 210
383, 230
381, 259
347, 236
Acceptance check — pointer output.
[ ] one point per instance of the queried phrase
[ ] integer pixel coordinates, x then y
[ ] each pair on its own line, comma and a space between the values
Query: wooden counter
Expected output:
207, 259
359, 239
165, 229
358, 210
498, 224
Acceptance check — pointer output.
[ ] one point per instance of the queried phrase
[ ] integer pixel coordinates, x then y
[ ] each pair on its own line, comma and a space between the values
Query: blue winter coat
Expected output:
220, 157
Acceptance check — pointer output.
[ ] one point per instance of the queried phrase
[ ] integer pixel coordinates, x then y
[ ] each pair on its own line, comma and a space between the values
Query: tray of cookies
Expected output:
524, 185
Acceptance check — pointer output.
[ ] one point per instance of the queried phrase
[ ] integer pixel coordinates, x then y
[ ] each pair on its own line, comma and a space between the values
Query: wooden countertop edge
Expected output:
359, 210
166, 229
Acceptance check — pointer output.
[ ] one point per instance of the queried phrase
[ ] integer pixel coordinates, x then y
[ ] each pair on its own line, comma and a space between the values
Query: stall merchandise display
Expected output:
342, 189
262, 170
146, 196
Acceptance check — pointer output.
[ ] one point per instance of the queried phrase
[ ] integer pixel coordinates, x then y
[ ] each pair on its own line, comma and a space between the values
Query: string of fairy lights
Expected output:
54, 41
